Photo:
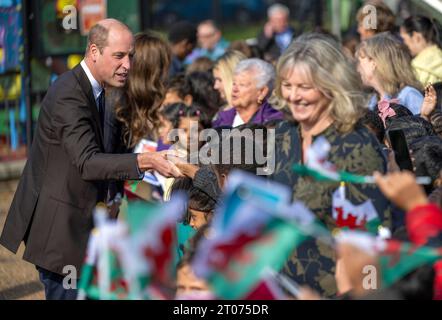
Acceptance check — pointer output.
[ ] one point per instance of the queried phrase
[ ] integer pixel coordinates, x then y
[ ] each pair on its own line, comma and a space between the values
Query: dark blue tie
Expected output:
101, 108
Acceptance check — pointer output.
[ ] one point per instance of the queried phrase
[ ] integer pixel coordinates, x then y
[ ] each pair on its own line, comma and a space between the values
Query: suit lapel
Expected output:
87, 88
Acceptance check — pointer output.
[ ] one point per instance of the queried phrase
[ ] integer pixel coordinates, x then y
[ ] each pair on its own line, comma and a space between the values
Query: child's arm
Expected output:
203, 178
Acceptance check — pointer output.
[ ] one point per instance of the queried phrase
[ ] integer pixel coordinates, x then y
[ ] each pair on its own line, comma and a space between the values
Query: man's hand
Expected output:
401, 188
268, 30
157, 161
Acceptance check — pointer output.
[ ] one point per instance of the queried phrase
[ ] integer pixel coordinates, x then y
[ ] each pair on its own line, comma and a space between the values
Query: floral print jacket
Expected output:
313, 263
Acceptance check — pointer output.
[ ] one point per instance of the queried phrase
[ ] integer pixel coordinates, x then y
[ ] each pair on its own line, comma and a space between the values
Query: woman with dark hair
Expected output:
201, 89
422, 37
139, 102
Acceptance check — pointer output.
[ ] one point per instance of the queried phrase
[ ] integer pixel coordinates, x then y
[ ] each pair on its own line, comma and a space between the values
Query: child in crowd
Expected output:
200, 206
188, 285
212, 178
180, 116
177, 91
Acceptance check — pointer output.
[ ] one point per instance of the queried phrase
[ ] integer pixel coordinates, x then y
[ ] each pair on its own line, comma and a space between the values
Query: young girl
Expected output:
384, 64
188, 285
421, 35
180, 116
200, 206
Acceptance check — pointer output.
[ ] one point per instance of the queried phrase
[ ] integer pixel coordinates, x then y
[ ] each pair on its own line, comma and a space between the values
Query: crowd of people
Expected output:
377, 101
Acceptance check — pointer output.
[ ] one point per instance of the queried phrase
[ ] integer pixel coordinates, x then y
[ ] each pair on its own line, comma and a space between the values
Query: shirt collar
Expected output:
96, 87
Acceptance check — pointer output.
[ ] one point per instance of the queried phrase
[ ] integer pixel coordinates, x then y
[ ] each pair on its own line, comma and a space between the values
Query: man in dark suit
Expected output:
69, 168
277, 34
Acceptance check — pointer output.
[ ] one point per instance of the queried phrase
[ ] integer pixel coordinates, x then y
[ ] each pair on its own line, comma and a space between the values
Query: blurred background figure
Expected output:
422, 37
277, 33
182, 38
211, 43
384, 21
223, 74
201, 64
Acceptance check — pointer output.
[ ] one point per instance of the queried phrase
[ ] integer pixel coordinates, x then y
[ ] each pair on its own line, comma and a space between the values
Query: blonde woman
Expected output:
384, 64
223, 74
322, 91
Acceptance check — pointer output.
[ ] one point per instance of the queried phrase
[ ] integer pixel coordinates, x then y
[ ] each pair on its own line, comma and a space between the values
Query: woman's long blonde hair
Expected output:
393, 62
330, 72
145, 90
226, 65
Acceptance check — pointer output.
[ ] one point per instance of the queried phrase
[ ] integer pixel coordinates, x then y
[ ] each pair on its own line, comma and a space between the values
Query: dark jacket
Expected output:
66, 174
269, 48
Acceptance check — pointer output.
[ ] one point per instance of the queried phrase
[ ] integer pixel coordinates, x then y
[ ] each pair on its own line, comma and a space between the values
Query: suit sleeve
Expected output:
263, 43
73, 127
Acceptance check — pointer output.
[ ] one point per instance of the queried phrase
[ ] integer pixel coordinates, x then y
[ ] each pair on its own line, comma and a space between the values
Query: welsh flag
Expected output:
237, 261
247, 238
133, 259
396, 258
266, 289
349, 216
153, 236
320, 169
101, 276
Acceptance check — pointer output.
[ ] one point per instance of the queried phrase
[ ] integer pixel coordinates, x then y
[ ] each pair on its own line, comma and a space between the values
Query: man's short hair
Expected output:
277, 7
211, 23
99, 33
182, 30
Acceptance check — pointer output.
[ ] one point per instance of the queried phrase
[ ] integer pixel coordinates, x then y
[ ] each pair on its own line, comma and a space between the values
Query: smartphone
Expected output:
400, 147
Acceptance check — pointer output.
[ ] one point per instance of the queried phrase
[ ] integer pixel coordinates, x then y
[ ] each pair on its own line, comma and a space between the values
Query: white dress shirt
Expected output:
96, 87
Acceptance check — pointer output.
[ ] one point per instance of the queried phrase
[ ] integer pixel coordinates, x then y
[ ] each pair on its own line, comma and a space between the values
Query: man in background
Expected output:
277, 33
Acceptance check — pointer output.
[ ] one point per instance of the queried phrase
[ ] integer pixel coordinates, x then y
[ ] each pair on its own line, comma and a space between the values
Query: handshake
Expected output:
164, 162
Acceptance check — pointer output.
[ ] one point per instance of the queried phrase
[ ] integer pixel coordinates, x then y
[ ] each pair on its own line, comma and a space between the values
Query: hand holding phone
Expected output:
400, 147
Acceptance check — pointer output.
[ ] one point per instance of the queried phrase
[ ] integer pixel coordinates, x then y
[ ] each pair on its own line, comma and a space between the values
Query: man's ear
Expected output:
94, 52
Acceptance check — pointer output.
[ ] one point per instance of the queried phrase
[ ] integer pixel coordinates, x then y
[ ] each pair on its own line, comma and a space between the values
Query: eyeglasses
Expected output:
205, 36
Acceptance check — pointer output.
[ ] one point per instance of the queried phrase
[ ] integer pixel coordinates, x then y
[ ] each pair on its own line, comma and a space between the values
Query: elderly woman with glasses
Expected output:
252, 84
